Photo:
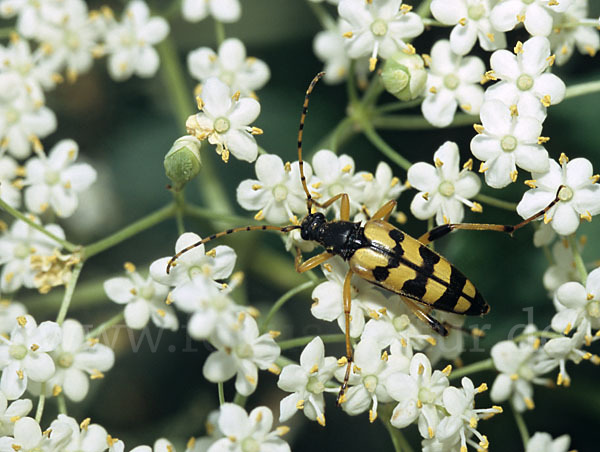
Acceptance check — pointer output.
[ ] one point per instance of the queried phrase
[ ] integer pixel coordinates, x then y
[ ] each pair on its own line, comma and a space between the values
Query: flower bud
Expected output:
182, 162
404, 76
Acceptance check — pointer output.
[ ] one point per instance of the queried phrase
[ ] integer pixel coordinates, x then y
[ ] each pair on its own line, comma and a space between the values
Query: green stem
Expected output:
373, 91
301, 341
41, 403
15, 213
418, 122
281, 301
491, 201
219, 32
105, 325
62, 404
423, 9
322, 16
240, 399
221, 391
433, 23
579, 264
179, 198
398, 440
129, 231
396, 106
581, 89
521, 426
546, 334
351, 84
68, 296
337, 137
479, 366
383, 147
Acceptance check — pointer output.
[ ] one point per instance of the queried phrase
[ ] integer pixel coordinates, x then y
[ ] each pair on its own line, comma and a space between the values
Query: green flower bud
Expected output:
182, 162
404, 76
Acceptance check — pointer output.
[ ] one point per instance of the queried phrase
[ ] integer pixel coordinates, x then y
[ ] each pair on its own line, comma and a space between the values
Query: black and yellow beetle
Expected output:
383, 255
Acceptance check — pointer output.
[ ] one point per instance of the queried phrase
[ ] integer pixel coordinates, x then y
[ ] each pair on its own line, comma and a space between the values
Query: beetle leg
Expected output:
349, 354
311, 263
444, 229
344, 211
425, 317
384, 211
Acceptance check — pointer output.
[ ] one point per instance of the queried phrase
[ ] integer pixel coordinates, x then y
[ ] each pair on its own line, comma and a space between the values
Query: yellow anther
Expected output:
274, 333
236, 96
260, 215
342, 361
595, 178
421, 369
587, 356
567, 329
547, 219
314, 369
404, 343
256, 130
446, 221
447, 370
559, 379
478, 332
85, 423
211, 253
473, 422
431, 340
531, 183
425, 196
395, 181
250, 379
22, 320
14, 419
478, 128
542, 140
419, 404
321, 420
466, 107
256, 187
529, 403
316, 185
56, 390
34, 347
476, 207
274, 369
514, 377
550, 60
587, 216
347, 168
468, 165
483, 168
563, 159
491, 36
463, 449
372, 416
430, 431
536, 343
367, 176
438, 163
192, 442
484, 442
513, 175
482, 388
348, 34
8, 277
93, 341
433, 90
111, 441
96, 374
282, 430
384, 356
463, 21
520, 18
20, 374
546, 100
405, 8
372, 64
518, 47
328, 267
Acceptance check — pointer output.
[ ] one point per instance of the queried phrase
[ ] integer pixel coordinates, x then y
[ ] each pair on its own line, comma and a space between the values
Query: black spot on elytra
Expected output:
381, 273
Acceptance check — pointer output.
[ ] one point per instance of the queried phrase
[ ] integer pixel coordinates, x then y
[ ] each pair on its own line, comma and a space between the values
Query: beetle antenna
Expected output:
284, 229
309, 200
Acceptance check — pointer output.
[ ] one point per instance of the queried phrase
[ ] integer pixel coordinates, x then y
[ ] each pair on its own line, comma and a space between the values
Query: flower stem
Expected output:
301, 341
423, 9
281, 301
62, 404
398, 440
479, 366
322, 15
41, 403
485, 199
15, 213
129, 231
418, 122
581, 89
396, 106
545, 334
351, 84
221, 391
579, 264
219, 32
521, 426
383, 147
68, 296
179, 199
105, 325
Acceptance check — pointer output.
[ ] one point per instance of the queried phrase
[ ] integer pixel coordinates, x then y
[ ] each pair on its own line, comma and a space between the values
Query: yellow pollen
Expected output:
563, 159
429, 339
16, 447
425, 196
236, 96
321, 420
348, 34
477, 207
404, 343
22, 320
473, 422
468, 165
20, 374
282, 430
559, 379
482, 388
372, 64
250, 379
274, 369
546, 100
520, 18
9, 276
536, 343
591, 51
595, 178
34, 347
567, 329
342, 361
478, 128
93, 341
15, 419
447, 370
463, 21
347, 168
542, 140
587, 355
586, 216
161, 312
395, 181
484, 442
547, 219
405, 9
384, 356
550, 60
372, 416
316, 185
514, 377
56, 390
274, 333
430, 431
531, 183
133, 291
367, 176
96, 374
256, 130
421, 369
129, 267
256, 187
463, 449
287, 167
446, 221
491, 36
426, 59
438, 163
483, 168
466, 107
518, 47
328, 267
111, 441
169, 299
477, 332
433, 90
191, 443
259, 215
85, 423
314, 369
513, 175
419, 404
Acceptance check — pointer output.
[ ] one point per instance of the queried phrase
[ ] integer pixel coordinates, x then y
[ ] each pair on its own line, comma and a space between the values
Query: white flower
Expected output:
130, 42
144, 300
448, 347
378, 28
25, 355
76, 360
241, 353
84, 437
30, 14
578, 199
307, 382
452, 81
508, 141
371, 370
536, 15
568, 33
335, 175
230, 65
9, 414
213, 433
580, 306
519, 365
55, 181
472, 22
561, 349
418, 391
193, 271
22, 122
9, 311
225, 120
72, 34
543, 442
28, 437
17, 245
222, 10
463, 416
252, 431
9, 185
525, 74
277, 195
562, 270
375, 190
443, 189
328, 298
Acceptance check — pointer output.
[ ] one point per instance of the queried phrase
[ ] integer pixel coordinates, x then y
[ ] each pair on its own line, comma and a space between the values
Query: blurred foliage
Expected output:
125, 129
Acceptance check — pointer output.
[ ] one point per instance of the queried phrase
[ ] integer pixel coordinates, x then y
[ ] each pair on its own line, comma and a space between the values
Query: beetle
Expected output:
382, 254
